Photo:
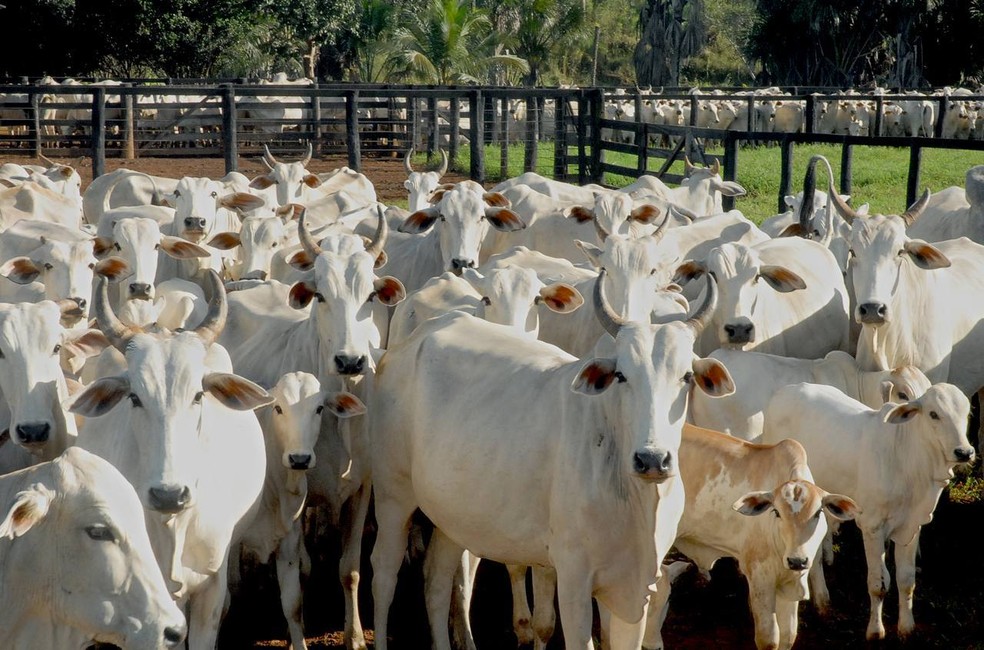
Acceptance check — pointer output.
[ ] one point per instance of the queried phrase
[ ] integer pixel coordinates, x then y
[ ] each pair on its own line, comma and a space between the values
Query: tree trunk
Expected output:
311, 58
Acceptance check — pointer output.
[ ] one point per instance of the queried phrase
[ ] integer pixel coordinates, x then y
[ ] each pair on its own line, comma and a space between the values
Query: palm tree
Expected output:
449, 42
671, 32
545, 27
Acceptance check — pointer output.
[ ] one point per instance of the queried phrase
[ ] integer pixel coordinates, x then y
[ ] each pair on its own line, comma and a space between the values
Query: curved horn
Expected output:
916, 209
444, 164
611, 321
845, 210
698, 321
406, 162
311, 247
307, 157
687, 165
375, 247
602, 233
661, 228
268, 158
716, 167
51, 163
111, 326
218, 310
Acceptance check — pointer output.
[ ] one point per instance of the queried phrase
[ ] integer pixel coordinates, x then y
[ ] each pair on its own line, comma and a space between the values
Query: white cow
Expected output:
124, 188
198, 464
758, 376
894, 462
954, 212
32, 201
260, 239
77, 564
421, 185
63, 179
586, 485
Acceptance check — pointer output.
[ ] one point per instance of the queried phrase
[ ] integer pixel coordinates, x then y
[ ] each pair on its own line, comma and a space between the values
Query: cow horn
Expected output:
268, 158
51, 163
687, 165
444, 164
845, 210
375, 247
406, 162
916, 209
716, 167
307, 241
218, 310
657, 234
611, 321
698, 321
114, 329
307, 156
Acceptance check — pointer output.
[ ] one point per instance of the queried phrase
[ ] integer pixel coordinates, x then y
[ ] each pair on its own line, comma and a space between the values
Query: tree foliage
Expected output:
671, 31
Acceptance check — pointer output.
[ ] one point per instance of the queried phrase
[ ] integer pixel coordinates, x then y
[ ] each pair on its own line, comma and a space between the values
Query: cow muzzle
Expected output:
194, 229
872, 313
652, 464
258, 274
350, 365
175, 635
798, 563
33, 434
300, 461
458, 264
169, 499
740, 333
964, 454
140, 291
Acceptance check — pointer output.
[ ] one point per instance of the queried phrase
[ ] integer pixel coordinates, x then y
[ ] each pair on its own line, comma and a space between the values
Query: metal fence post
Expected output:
230, 139
476, 143
352, 130
98, 132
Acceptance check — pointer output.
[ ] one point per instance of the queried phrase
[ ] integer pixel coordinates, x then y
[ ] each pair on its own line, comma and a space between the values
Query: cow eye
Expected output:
215, 195
177, 193
620, 377
100, 533
278, 410
92, 266
48, 266
321, 407
57, 348
934, 415
851, 253
653, 272
688, 377
198, 397
777, 514
273, 245
321, 298
135, 400
443, 219
901, 252
904, 396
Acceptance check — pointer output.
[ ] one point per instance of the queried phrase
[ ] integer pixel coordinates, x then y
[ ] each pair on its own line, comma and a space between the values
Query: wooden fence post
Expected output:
352, 130
130, 127
560, 138
847, 173
455, 131
35, 133
476, 104
230, 139
912, 186
316, 119
938, 127
531, 156
786, 173
730, 165
597, 112
879, 108
582, 137
811, 114
98, 132
434, 141
504, 141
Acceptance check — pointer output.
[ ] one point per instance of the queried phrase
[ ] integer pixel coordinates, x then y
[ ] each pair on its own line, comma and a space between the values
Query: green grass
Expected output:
879, 173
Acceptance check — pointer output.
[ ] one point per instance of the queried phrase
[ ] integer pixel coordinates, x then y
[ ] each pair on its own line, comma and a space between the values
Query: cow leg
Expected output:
618, 634
878, 582
818, 586
544, 615
659, 605
905, 574
393, 520
980, 424
520, 604
353, 521
762, 602
289, 577
443, 559
787, 615
574, 600
206, 610
464, 582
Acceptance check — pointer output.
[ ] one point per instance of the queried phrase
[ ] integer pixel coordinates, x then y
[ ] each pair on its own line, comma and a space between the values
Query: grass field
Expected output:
879, 173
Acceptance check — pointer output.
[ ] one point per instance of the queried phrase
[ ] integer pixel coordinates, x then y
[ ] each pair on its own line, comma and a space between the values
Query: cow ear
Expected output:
344, 404
21, 270
311, 180
183, 249
241, 201
903, 413
100, 396
301, 294
388, 290
504, 219
926, 256
169, 200
689, 270
731, 188
753, 503
30, 506
420, 221
289, 212
496, 199
713, 377
596, 376
262, 182
101, 246
436, 196
645, 214
592, 252
561, 297
781, 279
225, 241
88, 344
793, 230
113, 268
840, 507
301, 260
235, 392
789, 200
578, 212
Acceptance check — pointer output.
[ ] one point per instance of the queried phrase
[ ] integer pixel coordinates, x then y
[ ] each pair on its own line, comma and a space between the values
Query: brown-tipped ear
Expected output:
30, 506
301, 294
754, 503
793, 230
496, 199
290, 211
561, 297
420, 221
262, 182
388, 290
437, 195
841, 507
713, 377
113, 268
381, 260
596, 376
241, 201
21, 270
89, 344
301, 260
235, 392
592, 252
101, 246
903, 413
578, 212
504, 219
645, 214
183, 249
689, 270
344, 404
225, 241
781, 279
926, 256
311, 181
100, 396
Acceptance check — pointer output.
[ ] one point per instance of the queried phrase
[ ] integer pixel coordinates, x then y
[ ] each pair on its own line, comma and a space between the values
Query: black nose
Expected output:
458, 264
652, 462
139, 290
173, 636
194, 222
797, 563
740, 333
349, 365
33, 433
964, 454
169, 499
872, 312
299, 461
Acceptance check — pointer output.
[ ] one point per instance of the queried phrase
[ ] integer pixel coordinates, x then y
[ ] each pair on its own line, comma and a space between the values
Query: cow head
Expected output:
613, 210
196, 202
462, 217
421, 185
63, 179
290, 180
940, 417
706, 187
64, 267
260, 239
79, 549
511, 295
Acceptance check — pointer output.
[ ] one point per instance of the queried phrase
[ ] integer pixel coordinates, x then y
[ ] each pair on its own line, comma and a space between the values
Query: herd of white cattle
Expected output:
188, 364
